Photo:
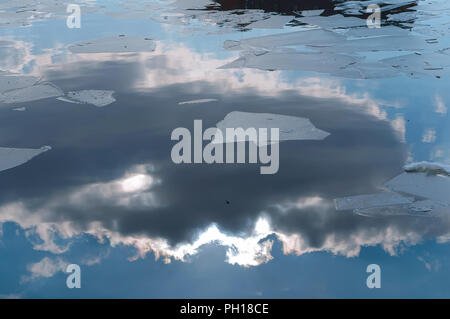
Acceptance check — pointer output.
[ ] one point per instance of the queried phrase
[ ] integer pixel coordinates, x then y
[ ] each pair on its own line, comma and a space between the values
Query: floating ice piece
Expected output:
391, 211
334, 64
31, 93
290, 127
428, 167
311, 13
317, 37
397, 5
371, 200
197, 101
121, 43
98, 98
338, 54
20, 109
63, 99
12, 157
433, 187
402, 16
387, 43
273, 22
334, 21
377, 32
430, 206
420, 64
11, 82
424, 208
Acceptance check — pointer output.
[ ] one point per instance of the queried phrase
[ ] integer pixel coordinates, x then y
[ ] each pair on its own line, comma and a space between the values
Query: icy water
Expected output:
88, 177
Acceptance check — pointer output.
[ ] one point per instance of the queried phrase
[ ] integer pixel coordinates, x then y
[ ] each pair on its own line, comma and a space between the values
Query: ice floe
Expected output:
434, 187
31, 93
272, 22
290, 127
420, 48
428, 183
98, 98
12, 157
371, 200
10, 81
428, 167
121, 43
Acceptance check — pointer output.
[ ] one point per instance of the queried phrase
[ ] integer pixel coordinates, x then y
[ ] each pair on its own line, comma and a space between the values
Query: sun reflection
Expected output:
136, 183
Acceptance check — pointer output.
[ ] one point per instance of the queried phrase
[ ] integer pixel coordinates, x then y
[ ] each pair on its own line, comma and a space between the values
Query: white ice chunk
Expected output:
290, 127
12, 157
20, 109
371, 200
31, 93
114, 45
98, 98
428, 167
433, 187
197, 101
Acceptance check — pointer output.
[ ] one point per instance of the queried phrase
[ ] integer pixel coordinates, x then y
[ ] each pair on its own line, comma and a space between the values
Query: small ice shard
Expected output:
273, 22
371, 200
197, 101
12, 157
31, 93
98, 98
20, 109
115, 45
433, 187
290, 127
428, 167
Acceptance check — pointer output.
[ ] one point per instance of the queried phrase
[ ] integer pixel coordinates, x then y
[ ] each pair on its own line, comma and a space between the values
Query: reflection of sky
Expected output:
109, 175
